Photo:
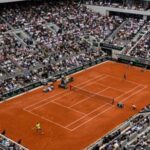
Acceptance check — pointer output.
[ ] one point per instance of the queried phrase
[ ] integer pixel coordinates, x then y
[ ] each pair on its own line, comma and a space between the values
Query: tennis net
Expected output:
107, 99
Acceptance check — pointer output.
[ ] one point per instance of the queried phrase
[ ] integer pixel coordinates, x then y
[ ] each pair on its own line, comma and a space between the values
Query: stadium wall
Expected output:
106, 10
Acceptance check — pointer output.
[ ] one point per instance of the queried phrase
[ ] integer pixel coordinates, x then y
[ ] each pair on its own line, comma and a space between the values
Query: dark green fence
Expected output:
20, 90
140, 62
111, 46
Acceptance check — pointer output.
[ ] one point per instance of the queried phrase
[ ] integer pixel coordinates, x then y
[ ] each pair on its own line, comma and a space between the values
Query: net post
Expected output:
113, 101
70, 87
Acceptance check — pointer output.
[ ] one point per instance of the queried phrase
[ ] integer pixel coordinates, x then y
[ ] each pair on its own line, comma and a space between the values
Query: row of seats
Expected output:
127, 32
7, 144
50, 38
142, 47
133, 134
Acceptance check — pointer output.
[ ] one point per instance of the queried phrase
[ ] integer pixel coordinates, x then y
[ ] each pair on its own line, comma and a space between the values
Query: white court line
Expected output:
74, 104
127, 92
72, 109
57, 124
111, 87
64, 92
91, 119
122, 79
87, 114
99, 114
83, 116
69, 93
41, 117
88, 97
127, 97
123, 94
108, 108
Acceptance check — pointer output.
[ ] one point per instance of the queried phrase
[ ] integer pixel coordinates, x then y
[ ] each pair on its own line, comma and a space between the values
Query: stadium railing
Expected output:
123, 128
20, 90
140, 62
3, 147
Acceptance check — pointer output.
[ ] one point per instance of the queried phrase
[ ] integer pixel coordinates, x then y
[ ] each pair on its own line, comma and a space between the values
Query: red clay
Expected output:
71, 120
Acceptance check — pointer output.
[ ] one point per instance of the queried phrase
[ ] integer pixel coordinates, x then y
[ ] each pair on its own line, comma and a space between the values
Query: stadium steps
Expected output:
4, 71
22, 35
15, 63
139, 35
128, 53
53, 27
13, 31
116, 31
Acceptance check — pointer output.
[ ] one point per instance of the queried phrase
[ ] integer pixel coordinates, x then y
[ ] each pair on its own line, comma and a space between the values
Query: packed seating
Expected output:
7, 144
142, 48
50, 38
132, 134
126, 33
146, 109
75, 22
3, 26
142, 142
53, 49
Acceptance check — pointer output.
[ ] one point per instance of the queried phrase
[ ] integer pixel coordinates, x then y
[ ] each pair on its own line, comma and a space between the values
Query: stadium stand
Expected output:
44, 42
141, 49
125, 34
8, 144
133, 134
44, 39
51, 40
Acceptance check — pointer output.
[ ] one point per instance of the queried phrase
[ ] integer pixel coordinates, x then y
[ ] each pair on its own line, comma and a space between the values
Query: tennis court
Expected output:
73, 119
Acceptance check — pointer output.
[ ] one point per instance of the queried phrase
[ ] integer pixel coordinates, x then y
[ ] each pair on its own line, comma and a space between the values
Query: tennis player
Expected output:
133, 107
38, 128
125, 76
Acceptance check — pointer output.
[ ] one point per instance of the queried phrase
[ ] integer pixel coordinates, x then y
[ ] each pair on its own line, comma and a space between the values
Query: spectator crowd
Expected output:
127, 32
133, 134
8, 144
47, 38
62, 48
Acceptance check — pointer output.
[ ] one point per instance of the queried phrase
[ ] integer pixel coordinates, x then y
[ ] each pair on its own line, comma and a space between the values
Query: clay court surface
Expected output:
72, 120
